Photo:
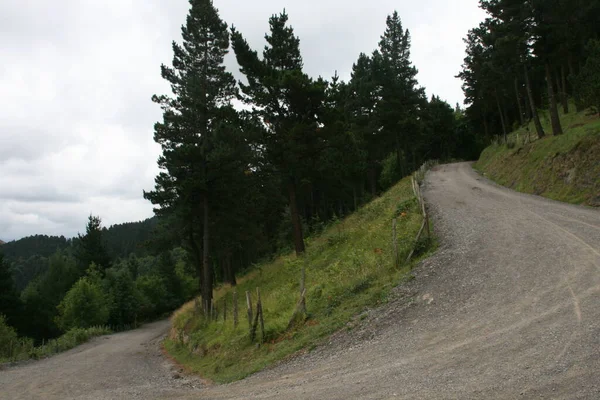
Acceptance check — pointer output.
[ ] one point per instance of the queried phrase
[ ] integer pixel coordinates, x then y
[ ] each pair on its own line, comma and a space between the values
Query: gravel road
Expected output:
509, 307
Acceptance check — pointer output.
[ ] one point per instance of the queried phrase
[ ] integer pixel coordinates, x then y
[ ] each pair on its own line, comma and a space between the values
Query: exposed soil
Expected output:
507, 308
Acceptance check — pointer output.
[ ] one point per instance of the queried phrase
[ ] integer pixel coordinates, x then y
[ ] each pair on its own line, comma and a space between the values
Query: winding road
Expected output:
509, 307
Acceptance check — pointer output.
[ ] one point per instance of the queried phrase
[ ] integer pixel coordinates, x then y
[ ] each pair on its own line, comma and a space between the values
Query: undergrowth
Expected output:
20, 349
349, 267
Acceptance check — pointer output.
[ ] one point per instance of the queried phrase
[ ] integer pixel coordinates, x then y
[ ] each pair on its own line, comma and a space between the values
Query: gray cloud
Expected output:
76, 79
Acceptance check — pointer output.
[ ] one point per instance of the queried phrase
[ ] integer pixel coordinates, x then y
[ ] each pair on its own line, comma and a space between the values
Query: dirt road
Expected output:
509, 307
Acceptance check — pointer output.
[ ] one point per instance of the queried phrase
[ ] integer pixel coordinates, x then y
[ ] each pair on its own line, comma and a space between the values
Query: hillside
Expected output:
564, 168
2, 242
349, 267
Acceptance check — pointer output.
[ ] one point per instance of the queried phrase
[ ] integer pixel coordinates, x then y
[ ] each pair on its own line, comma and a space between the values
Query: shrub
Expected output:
84, 306
8, 338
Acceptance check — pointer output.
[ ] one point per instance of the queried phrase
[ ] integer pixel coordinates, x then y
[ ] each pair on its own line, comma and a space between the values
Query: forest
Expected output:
238, 185
529, 56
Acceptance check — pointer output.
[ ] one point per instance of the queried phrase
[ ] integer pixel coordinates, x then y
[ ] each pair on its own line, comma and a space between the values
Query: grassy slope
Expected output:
349, 268
565, 168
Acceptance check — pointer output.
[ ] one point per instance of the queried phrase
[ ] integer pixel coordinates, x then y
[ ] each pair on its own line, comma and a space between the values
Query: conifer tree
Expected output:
193, 117
400, 96
91, 246
362, 104
288, 102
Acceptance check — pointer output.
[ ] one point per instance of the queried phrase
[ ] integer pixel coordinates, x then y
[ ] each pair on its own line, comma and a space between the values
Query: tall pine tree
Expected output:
193, 116
289, 104
400, 96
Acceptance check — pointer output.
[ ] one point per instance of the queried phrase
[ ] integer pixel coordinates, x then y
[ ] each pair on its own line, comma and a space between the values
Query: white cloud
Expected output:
76, 120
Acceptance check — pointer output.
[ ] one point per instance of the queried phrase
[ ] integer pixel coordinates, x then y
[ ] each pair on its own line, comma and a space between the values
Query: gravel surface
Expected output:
507, 308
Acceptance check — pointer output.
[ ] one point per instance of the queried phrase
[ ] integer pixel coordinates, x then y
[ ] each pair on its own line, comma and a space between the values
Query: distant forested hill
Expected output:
29, 256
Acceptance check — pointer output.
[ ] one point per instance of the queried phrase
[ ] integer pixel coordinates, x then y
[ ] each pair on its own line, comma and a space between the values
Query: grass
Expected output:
23, 349
564, 168
349, 268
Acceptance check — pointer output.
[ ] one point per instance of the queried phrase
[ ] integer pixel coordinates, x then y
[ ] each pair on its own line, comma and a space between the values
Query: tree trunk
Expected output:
534, 115
399, 163
527, 108
501, 117
206, 267
519, 103
563, 90
197, 258
296, 222
373, 180
578, 104
486, 129
555, 119
228, 274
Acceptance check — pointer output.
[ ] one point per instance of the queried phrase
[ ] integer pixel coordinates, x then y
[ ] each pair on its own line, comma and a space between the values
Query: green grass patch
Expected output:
349, 267
564, 168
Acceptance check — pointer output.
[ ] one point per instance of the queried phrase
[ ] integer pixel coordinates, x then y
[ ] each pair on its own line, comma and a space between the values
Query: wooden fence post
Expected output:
249, 304
235, 309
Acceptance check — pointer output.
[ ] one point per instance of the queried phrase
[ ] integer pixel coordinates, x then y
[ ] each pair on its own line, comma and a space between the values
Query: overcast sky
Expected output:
76, 77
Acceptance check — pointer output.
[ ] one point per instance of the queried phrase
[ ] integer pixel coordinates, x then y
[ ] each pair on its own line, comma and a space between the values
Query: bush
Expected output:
8, 338
123, 297
84, 306
153, 291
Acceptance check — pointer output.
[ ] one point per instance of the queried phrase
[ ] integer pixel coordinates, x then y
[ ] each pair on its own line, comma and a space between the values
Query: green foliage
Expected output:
84, 305
123, 297
154, 294
18, 349
43, 294
391, 171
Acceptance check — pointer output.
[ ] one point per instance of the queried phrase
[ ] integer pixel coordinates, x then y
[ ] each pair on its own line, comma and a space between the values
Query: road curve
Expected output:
509, 307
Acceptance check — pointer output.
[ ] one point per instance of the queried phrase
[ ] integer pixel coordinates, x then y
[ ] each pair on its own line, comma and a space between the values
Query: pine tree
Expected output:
91, 247
400, 96
362, 104
288, 103
192, 118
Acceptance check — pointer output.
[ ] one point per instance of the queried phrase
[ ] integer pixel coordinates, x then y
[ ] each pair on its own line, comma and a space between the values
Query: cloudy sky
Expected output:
76, 77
